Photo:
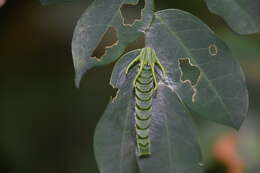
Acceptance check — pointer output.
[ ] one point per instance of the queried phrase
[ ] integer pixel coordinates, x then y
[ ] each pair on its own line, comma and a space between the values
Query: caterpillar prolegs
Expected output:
145, 84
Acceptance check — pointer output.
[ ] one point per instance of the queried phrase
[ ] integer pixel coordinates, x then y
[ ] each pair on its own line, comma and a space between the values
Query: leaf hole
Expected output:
108, 41
213, 50
189, 73
132, 13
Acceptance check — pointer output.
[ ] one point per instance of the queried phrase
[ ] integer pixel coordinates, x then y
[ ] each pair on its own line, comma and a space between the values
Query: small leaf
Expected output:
47, 2
174, 143
92, 25
243, 16
220, 92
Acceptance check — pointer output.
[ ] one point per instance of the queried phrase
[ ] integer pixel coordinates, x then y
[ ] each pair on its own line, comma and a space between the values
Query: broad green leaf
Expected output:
47, 2
92, 25
243, 16
174, 147
219, 93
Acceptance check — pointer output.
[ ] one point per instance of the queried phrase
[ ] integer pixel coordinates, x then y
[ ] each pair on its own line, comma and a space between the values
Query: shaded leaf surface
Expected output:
174, 147
243, 16
220, 93
92, 25
114, 140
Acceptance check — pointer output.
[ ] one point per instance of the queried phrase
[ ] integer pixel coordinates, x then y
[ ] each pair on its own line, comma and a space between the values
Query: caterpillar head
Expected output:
148, 57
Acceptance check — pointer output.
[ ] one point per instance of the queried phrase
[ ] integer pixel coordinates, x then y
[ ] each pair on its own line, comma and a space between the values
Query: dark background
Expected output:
47, 125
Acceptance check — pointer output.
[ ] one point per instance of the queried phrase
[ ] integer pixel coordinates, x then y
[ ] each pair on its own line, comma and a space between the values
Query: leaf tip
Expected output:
237, 123
77, 80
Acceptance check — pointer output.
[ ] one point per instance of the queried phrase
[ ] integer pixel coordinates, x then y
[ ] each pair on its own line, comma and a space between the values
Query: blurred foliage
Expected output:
46, 125
47, 2
242, 16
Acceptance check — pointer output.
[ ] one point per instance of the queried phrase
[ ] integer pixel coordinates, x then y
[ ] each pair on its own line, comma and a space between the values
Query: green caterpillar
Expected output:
145, 83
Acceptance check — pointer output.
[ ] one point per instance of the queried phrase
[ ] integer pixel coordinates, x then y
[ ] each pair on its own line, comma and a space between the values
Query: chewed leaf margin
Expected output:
92, 26
220, 94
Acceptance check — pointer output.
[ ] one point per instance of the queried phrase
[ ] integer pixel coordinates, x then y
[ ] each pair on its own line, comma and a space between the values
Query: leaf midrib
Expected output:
202, 71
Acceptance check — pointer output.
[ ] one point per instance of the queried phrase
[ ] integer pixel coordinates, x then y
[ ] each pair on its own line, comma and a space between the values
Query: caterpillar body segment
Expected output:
143, 95
145, 83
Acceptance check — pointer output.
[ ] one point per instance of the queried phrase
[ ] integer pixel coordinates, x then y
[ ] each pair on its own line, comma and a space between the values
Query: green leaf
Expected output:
219, 93
243, 16
92, 25
174, 147
202, 79
47, 2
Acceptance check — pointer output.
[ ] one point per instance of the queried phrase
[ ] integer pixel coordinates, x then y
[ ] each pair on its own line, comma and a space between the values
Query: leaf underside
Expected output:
243, 16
